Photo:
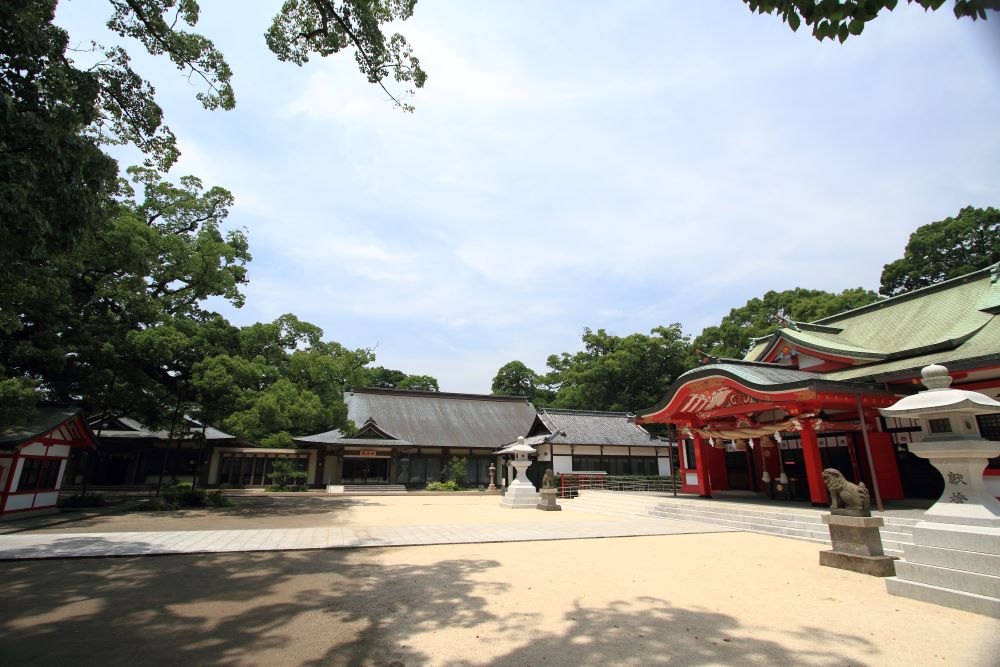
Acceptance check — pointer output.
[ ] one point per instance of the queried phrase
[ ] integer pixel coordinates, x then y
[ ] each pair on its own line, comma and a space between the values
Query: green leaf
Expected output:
855, 27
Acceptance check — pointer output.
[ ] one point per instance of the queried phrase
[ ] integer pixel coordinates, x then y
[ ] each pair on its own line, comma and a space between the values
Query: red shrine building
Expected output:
806, 397
33, 458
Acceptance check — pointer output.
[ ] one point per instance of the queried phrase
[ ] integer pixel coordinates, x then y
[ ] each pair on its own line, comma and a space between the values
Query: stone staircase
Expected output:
802, 524
367, 489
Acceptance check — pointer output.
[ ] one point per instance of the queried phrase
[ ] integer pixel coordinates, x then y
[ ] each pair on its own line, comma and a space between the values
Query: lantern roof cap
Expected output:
520, 446
940, 397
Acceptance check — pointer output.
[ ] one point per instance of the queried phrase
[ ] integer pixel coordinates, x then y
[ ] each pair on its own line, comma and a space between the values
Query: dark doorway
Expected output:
737, 471
366, 471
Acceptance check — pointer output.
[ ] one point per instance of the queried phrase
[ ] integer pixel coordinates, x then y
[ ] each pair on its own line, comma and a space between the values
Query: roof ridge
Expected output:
882, 302
417, 393
602, 413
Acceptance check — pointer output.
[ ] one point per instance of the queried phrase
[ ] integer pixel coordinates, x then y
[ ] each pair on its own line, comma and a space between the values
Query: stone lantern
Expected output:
956, 545
953, 445
521, 493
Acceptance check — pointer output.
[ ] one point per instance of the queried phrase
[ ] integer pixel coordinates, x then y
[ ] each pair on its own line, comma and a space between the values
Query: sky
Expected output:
578, 164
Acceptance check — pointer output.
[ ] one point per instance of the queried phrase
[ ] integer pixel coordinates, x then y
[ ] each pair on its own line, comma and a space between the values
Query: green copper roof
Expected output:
978, 349
948, 321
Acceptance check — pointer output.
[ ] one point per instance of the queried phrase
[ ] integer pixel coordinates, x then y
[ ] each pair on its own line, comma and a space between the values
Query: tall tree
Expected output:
388, 378
619, 373
759, 317
945, 249
118, 322
419, 383
325, 27
515, 379
839, 19
280, 379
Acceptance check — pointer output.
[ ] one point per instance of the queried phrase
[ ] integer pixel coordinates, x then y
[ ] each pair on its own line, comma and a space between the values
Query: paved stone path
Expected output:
82, 545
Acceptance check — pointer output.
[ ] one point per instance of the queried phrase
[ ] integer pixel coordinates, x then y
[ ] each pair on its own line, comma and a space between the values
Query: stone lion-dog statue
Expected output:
844, 494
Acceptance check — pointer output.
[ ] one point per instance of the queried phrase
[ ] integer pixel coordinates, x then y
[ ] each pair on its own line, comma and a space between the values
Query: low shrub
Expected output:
88, 500
283, 488
185, 495
450, 485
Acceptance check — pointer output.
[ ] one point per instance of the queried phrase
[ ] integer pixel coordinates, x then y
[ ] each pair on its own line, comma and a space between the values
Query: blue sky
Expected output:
570, 165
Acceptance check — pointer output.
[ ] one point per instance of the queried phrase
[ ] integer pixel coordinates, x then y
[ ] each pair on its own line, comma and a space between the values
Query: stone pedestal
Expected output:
954, 560
548, 501
857, 545
521, 493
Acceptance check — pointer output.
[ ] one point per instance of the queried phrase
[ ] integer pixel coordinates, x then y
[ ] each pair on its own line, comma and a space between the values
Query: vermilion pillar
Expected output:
886, 468
701, 463
814, 465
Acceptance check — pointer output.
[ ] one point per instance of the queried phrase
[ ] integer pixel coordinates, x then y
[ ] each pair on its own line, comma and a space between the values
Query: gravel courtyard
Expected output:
708, 599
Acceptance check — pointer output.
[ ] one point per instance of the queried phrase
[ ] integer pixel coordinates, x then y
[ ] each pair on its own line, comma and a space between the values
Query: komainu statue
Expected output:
547, 479
844, 494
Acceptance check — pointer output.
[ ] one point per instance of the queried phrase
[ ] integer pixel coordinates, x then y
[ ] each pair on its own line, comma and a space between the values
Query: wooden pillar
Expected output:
885, 465
814, 465
701, 464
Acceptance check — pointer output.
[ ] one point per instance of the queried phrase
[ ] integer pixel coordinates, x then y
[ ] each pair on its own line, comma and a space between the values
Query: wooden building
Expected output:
403, 437
807, 397
132, 454
33, 458
587, 440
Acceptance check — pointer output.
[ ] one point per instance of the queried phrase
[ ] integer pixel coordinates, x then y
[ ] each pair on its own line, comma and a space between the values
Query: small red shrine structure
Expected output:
806, 397
33, 458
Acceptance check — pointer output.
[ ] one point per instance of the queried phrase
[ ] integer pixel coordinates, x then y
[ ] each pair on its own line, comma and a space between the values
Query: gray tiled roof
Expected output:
439, 419
45, 420
132, 429
584, 427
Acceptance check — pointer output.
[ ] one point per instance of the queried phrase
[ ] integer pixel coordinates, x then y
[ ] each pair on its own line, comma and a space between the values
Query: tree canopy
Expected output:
515, 379
618, 373
945, 249
104, 280
839, 19
732, 337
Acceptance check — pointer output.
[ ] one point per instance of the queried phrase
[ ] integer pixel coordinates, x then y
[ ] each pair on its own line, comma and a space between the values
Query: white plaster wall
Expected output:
62, 471
544, 454
992, 484
562, 464
311, 469
806, 361
587, 450
213, 467
663, 466
59, 450
46, 499
34, 449
329, 468
17, 475
691, 478
19, 502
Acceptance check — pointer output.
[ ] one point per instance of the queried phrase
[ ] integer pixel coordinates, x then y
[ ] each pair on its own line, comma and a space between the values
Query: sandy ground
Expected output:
303, 512
715, 599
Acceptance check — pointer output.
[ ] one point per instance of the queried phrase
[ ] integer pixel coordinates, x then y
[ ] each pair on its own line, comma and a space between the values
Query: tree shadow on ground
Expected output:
312, 608
650, 631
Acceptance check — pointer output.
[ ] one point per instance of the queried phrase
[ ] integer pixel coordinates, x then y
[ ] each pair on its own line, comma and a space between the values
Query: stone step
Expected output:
970, 561
785, 522
946, 577
369, 489
978, 604
965, 538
